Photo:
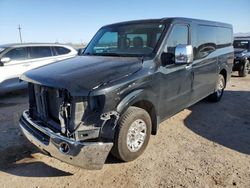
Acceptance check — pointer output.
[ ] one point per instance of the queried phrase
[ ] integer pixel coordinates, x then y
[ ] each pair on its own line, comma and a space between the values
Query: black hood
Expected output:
79, 75
239, 50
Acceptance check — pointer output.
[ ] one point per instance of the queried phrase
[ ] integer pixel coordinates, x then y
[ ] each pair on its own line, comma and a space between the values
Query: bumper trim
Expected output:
88, 155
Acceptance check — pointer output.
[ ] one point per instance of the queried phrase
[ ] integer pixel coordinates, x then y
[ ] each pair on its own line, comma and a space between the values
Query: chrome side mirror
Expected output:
5, 60
184, 54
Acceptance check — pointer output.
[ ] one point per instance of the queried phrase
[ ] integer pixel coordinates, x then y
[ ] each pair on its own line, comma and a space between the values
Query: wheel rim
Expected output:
136, 136
220, 87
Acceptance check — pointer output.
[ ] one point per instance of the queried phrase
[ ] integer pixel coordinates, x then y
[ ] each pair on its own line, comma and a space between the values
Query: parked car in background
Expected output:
15, 59
131, 77
242, 55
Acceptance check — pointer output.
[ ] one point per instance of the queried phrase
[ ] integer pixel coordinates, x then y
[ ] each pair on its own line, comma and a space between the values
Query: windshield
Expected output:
125, 40
243, 44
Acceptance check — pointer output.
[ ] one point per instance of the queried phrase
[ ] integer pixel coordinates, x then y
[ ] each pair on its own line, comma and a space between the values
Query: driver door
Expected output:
176, 79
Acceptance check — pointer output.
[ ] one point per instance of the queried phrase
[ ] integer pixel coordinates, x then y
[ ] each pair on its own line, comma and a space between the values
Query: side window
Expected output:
178, 35
17, 54
206, 41
243, 44
61, 50
224, 37
40, 52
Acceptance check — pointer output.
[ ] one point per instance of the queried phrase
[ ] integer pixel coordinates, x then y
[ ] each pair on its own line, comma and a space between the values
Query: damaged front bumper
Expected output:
88, 155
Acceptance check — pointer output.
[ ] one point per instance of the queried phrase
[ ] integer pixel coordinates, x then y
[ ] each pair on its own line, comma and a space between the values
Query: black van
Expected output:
131, 76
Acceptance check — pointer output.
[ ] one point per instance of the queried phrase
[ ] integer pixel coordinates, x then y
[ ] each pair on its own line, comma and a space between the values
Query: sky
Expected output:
76, 21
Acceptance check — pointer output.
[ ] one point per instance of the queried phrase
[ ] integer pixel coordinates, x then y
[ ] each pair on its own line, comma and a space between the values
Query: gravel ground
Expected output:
206, 145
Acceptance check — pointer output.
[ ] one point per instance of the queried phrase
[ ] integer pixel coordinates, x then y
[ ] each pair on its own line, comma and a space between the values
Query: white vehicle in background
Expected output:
15, 59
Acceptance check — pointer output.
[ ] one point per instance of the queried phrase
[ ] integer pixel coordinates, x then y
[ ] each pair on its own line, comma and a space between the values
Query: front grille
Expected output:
50, 105
40, 100
53, 103
47, 105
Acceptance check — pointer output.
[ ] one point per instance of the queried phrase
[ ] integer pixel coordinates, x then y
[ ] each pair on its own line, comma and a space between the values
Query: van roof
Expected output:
171, 19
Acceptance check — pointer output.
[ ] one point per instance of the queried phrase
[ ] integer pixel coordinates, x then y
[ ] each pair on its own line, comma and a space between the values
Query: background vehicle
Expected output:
15, 59
242, 55
131, 76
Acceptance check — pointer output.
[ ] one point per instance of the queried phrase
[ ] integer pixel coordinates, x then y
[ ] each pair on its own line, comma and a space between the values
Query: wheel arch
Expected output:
141, 99
223, 72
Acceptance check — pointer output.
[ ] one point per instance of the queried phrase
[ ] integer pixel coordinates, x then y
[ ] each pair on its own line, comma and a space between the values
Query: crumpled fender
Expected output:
136, 96
129, 99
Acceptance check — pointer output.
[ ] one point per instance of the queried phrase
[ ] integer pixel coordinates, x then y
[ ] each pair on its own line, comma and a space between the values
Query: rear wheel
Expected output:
244, 69
132, 134
220, 86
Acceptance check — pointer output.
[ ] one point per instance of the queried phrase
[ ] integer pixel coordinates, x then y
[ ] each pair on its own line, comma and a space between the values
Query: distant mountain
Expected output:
241, 34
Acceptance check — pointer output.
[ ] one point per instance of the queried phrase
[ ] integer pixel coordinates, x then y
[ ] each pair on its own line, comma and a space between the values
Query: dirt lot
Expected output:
206, 145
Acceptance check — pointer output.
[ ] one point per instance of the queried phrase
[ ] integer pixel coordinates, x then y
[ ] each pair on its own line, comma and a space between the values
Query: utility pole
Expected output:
20, 34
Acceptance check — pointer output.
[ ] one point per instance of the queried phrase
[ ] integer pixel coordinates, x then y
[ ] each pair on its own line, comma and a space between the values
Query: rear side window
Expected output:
61, 50
17, 54
40, 52
224, 37
178, 35
210, 38
206, 41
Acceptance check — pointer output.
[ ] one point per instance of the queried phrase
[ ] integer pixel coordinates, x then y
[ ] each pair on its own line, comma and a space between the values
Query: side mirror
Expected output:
184, 54
5, 60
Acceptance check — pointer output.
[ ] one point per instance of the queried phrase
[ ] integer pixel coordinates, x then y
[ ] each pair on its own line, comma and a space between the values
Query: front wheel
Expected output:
132, 134
220, 86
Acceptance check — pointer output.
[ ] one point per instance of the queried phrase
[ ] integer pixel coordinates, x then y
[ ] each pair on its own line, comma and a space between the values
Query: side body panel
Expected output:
205, 70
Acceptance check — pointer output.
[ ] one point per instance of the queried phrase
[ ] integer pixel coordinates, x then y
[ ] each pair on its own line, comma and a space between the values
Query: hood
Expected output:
79, 75
239, 50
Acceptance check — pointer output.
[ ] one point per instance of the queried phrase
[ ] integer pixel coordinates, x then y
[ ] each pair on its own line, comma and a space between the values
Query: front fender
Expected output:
139, 96
128, 100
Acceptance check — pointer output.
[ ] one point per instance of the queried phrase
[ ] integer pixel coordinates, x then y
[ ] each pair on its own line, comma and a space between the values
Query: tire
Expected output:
126, 132
220, 86
244, 69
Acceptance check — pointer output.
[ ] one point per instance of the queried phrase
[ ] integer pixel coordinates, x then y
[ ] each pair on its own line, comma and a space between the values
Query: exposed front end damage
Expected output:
88, 155
72, 129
